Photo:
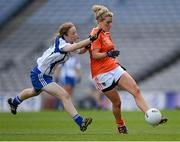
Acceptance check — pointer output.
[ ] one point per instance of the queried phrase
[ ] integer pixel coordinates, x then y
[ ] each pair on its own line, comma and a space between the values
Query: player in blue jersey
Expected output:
69, 74
41, 74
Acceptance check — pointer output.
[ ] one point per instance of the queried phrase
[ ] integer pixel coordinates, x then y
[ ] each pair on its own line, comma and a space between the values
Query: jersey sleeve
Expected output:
63, 44
97, 43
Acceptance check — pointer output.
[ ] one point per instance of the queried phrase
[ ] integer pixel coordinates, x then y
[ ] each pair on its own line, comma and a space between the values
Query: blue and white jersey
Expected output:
53, 57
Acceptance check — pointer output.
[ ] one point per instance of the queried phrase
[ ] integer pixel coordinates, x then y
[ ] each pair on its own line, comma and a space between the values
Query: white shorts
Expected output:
107, 81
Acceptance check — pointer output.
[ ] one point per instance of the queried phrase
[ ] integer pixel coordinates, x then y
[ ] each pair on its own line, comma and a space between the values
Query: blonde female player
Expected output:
106, 70
41, 75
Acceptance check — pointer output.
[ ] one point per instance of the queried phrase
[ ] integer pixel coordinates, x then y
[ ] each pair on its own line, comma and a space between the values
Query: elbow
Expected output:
96, 57
93, 56
71, 48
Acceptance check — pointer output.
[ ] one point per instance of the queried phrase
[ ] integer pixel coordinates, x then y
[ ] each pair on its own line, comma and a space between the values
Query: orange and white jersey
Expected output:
104, 43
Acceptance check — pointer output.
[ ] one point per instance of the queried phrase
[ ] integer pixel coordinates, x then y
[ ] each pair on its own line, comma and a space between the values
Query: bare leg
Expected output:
56, 90
116, 103
27, 93
129, 84
69, 89
116, 107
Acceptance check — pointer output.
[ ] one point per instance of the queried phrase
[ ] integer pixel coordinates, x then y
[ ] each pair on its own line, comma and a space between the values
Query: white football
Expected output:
153, 116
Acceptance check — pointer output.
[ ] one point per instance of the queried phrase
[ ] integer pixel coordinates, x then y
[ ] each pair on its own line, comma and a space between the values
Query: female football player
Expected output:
41, 74
106, 71
68, 75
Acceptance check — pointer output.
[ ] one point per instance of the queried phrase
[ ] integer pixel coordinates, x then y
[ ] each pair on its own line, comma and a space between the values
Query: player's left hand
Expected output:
113, 53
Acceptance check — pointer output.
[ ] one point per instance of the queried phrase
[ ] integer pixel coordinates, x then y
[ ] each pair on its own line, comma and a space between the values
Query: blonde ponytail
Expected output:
101, 12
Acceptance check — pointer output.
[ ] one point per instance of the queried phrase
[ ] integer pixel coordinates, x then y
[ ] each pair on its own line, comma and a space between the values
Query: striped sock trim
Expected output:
78, 119
76, 116
18, 99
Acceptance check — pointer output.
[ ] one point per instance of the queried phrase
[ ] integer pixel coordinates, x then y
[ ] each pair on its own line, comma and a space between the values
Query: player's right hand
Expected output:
95, 36
113, 53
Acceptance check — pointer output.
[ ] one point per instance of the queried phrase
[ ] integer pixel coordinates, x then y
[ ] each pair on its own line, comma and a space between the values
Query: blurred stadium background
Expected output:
145, 31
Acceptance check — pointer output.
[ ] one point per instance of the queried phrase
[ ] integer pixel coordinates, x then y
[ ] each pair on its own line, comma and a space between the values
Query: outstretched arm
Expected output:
81, 44
83, 50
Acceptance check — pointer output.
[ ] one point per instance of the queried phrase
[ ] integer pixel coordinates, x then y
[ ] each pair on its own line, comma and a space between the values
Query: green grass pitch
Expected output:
55, 125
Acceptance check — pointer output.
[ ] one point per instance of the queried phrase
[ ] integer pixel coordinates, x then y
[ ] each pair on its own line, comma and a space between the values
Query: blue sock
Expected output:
78, 119
16, 101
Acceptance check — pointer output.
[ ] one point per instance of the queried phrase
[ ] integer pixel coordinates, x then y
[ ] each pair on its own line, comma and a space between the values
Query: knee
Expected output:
66, 97
33, 92
30, 92
136, 91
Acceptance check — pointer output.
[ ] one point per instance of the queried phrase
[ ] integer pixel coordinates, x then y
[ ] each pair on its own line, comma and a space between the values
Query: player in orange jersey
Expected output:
106, 70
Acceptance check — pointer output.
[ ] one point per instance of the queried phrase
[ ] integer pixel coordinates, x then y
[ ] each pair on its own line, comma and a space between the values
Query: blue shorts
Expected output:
39, 80
67, 80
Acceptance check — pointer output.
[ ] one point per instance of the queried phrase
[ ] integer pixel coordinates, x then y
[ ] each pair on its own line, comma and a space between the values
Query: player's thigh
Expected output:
55, 90
113, 96
128, 83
